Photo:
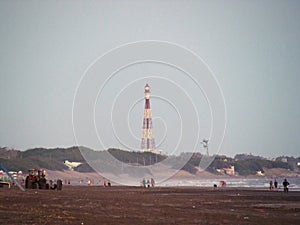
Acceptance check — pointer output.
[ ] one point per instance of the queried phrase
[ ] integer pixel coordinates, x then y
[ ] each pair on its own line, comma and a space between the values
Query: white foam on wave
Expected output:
232, 182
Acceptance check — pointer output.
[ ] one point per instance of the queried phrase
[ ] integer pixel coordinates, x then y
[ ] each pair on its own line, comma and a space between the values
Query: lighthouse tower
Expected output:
148, 141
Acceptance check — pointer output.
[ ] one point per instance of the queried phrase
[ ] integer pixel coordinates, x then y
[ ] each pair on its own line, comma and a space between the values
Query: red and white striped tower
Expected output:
148, 141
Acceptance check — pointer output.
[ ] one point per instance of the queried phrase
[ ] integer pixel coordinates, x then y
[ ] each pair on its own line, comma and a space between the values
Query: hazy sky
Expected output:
252, 47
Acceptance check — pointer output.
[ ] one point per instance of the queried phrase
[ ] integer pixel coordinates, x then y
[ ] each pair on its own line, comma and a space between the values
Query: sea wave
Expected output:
233, 182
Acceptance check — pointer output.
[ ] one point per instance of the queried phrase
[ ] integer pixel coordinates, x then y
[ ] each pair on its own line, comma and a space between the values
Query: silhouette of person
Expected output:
271, 185
285, 184
275, 184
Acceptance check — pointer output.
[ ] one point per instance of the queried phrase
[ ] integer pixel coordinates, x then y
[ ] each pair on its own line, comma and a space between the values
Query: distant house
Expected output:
72, 165
228, 171
284, 159
260, 173
271, 159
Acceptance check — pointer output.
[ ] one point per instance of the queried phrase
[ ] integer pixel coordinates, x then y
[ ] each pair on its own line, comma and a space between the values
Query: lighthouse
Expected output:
148, 141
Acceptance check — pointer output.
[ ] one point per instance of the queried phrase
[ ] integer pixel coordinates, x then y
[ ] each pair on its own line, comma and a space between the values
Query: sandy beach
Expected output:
137, 205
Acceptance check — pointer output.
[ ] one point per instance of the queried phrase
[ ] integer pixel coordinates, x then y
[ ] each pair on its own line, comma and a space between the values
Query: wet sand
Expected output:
136, 205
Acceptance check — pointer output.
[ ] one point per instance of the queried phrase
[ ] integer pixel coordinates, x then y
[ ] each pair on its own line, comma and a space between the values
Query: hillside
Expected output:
53, 159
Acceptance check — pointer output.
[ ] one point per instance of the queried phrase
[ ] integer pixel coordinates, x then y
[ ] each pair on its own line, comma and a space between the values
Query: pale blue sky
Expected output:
251, 46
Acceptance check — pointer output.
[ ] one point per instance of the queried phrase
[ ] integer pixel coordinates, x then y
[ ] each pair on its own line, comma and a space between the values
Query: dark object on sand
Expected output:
59, 184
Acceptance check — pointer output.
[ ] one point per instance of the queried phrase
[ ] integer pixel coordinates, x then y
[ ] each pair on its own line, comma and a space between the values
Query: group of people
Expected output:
56, 184
106, 183
274, 184
147, 183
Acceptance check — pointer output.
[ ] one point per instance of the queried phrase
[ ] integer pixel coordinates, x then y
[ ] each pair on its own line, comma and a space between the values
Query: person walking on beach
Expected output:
152, 182
275, 184
59, 184
271, 185
148, 183
285, 184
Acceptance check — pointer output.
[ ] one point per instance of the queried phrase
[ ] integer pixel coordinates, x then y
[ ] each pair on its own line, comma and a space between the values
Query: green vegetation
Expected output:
58, 154
51, 159
136, 158
246, 165
250, 166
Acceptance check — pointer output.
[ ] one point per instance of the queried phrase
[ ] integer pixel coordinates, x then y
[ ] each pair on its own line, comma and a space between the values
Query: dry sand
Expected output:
137, 205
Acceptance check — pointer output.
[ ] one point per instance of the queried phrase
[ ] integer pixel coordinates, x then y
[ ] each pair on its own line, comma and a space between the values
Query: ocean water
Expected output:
234, 182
